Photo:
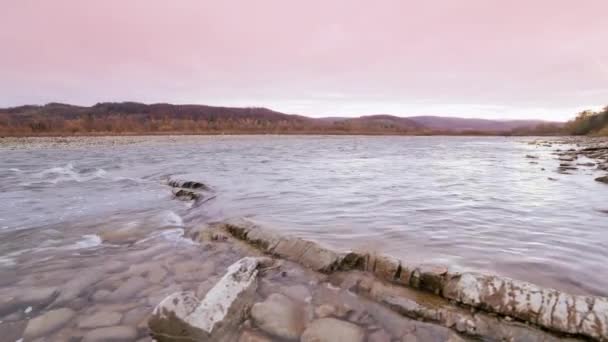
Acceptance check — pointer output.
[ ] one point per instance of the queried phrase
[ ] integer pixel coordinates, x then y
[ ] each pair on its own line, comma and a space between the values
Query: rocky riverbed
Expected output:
301, 291
578, 153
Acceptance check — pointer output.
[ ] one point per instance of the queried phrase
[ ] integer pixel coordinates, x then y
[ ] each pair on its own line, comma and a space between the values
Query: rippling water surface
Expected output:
471, 203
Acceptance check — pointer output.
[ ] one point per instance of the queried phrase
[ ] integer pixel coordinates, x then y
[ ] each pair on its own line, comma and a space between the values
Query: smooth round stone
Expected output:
111, 334
331, 329
48, 323
250, 336
325, 310
279, 316
100, 319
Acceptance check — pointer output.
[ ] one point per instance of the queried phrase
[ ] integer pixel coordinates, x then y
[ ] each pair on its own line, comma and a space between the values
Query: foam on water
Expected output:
87, 241
175, 236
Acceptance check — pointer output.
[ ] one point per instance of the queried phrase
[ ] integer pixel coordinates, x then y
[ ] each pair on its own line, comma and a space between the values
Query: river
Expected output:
473, 203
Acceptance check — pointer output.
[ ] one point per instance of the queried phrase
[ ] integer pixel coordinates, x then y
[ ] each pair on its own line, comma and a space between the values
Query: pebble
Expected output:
325, 310
379, 336
111, 334
48, 322
297, 292
250, 336
100, 319
279, 316
128, 289
331, 329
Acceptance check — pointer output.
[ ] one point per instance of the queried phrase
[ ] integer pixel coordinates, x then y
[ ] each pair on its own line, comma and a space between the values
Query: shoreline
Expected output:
468, 305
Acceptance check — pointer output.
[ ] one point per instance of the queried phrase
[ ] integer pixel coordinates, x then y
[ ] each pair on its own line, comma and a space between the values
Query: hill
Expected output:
440, 123
164, 118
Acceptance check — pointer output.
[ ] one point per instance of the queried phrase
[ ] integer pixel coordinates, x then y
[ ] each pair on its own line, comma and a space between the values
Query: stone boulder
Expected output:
47, 323
279, 316
603, 179
100, 319
331, 329
186, 195
111, 334
187, 184
183, 316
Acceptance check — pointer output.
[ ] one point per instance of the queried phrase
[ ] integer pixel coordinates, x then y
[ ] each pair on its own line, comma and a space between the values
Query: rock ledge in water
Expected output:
548, 308
182, 315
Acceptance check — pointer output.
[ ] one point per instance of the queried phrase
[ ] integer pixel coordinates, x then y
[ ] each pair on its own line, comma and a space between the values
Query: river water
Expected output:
474, 203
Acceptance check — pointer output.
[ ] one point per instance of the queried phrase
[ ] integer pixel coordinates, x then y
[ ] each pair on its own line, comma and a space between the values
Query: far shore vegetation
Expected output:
129, 118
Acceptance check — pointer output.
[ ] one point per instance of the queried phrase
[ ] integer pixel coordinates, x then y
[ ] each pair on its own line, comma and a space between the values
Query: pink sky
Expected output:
476, 58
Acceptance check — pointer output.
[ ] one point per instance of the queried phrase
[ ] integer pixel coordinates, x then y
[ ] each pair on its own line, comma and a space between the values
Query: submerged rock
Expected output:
128, 289
186, 195
100, 319
125, 235
33, 298
80, 283
331, 329
111, 334
584, 316
182, 316
47, 323
279, 316
603, 179
250, 336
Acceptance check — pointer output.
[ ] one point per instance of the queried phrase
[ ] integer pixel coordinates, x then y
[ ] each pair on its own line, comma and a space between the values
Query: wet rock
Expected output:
47, 323
385, 267
135, 315
325, 310
12, 331
379, 336
586, 164
125, 235
307, 253
429, 278
100, 319
297, 292
128, 289
548, 308
250, 336
223, 308
188, 184
33, 298
111, 334
204, 287
331, 329
157, 297
154, 272
603, 179
186, 195
279, 316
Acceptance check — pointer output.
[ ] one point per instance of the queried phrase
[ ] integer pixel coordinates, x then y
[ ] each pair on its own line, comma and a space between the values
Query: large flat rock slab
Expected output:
184, 316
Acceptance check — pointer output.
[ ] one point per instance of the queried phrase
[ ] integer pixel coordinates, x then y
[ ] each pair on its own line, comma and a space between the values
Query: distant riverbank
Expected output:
128, 118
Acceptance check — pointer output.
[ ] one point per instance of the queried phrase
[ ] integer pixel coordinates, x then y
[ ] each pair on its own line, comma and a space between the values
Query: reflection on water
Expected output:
474, 203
